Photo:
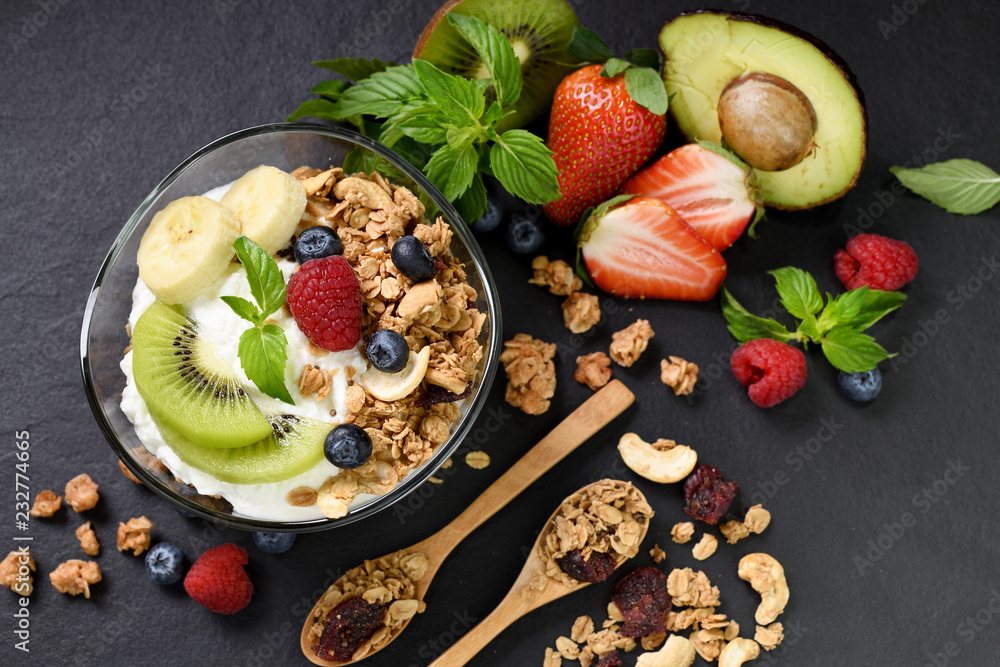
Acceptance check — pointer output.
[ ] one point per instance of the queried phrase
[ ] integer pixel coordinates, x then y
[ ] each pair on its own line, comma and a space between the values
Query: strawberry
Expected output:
643, 248
714, 194
599, 136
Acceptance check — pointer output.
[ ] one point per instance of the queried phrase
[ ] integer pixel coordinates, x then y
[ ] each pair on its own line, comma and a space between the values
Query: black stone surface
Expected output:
885, 516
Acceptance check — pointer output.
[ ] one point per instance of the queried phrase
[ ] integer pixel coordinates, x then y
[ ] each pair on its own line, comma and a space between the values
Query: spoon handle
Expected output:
593, 415
465, 649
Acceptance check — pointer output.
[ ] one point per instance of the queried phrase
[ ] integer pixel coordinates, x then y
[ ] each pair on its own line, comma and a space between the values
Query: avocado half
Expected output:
706, 50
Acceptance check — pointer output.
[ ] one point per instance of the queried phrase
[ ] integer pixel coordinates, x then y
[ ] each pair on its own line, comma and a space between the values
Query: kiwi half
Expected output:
294, 446
539, 31
188, 388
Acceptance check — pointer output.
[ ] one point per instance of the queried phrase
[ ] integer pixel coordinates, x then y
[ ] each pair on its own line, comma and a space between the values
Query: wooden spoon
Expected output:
520, 600
593, 415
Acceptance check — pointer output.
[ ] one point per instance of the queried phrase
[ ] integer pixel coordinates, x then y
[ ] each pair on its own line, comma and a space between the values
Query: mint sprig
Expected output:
958, 186
641, 68
263, 348
445, 124
837, 326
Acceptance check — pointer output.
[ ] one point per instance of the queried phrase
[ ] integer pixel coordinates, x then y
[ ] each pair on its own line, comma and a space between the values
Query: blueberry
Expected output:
413, 259
861, 387
524, 234
165, 563
491, 219
387, 351
347, 446
315, 243
274, 543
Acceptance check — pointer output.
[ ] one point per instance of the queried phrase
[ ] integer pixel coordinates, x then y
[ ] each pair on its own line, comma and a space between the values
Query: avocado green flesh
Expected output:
706, 51
213, 410
539, 31
272, 459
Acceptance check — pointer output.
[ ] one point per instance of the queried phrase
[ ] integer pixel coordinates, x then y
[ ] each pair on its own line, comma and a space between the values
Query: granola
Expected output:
679, 375
770, 636
128, 473
682, 532
314, 381
593, 370
15, 572
46, 504
657, 554
390, 581
88, 539
581, 312
477, 460
531, 374
629, 343
558, 276
706, 547
81, 493
75, 576
134, 535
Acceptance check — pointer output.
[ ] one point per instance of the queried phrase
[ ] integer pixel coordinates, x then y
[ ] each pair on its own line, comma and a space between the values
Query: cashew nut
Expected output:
676, 652
767, 577
372, 195
738, 651
665, 467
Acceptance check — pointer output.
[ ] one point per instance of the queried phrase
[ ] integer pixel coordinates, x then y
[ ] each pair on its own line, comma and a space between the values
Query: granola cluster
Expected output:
88, 540
369, 215
593, 370
629, 343
134, 535
46, 504
607, 517
81, 493
10, 570
587, 644
710, 631
679, 375
581, 311
531, 374
390, 581
75, 576
756, 520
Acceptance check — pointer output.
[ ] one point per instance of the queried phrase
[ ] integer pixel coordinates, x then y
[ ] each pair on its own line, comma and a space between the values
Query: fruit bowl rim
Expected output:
416, 477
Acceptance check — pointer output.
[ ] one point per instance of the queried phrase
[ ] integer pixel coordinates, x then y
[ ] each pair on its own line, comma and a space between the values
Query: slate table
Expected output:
885, 516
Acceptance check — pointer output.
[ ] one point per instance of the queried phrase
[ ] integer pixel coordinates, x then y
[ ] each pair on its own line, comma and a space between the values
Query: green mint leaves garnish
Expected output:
958, 186
263, 347
838, 326
640, 66
444, 124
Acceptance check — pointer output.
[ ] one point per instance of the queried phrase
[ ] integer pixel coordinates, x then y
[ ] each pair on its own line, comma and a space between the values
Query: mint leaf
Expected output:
331, 89
851, 351
322, 108
958, 186
452, 169
424, 122
380, 95
267, 285
472, 204
613, 67
646, 87
746, 326
798, 291
496, 53
645, 58
494, 114
860, 308
354, 69
461, 99
263, 353
243, 308
524, 165
588, 47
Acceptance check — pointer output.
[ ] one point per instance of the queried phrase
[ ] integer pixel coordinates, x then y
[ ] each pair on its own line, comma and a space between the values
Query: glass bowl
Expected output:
103, 338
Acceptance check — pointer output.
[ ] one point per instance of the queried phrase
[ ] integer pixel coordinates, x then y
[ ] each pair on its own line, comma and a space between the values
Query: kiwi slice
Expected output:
188, 388
539, 31
294, 446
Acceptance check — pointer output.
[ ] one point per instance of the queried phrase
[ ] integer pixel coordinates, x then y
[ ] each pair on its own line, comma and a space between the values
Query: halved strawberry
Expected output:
714, 194
641, 247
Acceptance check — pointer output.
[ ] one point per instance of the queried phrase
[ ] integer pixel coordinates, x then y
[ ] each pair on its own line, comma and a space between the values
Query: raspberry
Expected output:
643, 600
325, 300
773, 370
217, 580
879, 262
707, 496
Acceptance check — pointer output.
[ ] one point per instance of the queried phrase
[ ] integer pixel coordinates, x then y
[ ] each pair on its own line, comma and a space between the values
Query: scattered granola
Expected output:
583, 627
690, 589
314, 381
134, 535
302, 496
679, 375
581, 312
477, 459
706, 547
657, 554
531, 374
128, 473
567, 648
390, 582
770, 636
682, 532
734, 531
757, 519
593, 370
15, 572
558, 276
75, 576
81, 493
88, 539
46, 504
552, 658
629, 343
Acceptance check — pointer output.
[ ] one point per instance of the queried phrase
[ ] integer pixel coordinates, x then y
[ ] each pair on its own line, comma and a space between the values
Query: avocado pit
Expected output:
767, 121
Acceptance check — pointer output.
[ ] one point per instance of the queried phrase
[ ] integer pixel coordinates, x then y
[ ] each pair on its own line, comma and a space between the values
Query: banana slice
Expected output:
186, 247
269, 204
390, 387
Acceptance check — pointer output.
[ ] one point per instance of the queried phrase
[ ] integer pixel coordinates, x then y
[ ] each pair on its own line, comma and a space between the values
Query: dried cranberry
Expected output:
610, 660
348, 626
597, 569
708, 496
435, 394
643, 600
